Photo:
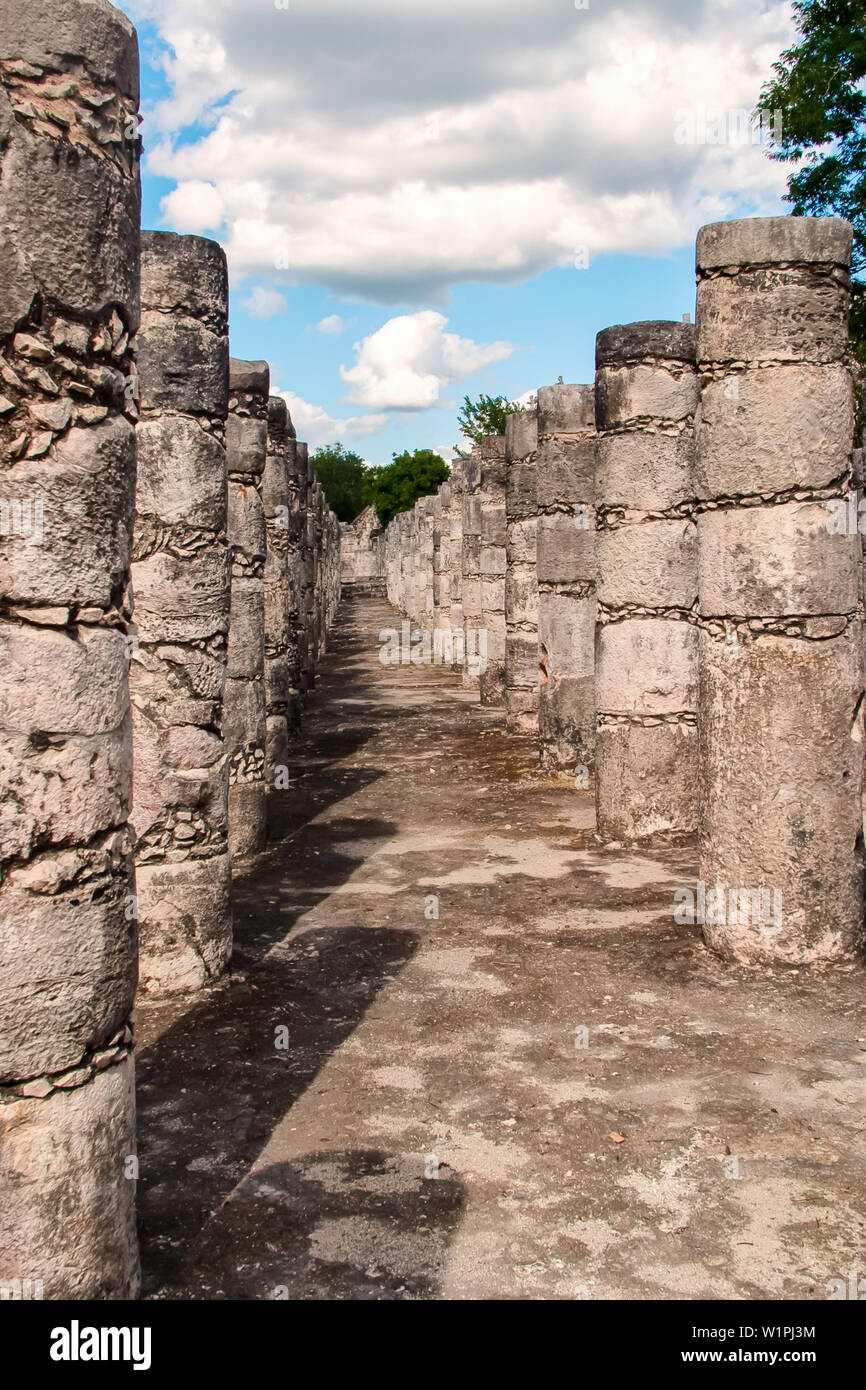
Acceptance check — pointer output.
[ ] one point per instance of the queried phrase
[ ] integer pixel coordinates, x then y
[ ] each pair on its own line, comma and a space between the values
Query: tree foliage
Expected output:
484, 416
818, 86
396, 486
343, 477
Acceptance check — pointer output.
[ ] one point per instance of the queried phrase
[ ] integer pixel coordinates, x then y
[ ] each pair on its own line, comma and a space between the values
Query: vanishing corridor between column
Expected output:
478, 885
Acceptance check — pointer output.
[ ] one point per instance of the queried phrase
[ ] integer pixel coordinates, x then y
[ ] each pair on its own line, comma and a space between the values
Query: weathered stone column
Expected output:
455, 559
432, 513
408, 570
320, 576
412, 563
404, 520
391, 558
646, 548
334, 568
69, 306
566, 576
492, 681
245, 718
181, 577
521, 578
308, 573
471, 583
781, 662
441, 577
423, 556
280, 656
317, 571
393, 562
297, 476
404, 535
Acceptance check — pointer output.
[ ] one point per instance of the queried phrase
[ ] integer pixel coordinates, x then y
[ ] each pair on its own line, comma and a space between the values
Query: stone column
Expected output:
245, 718
412, 562
432, 515
422, 557
297, 458
566, 576
412, 565
392, 561
181, 577
521, 579
334, 568
316, 573
441, 576
646, 546
279, 634
408, 561
405, 542
455, 559
319, 573
492, 679
471, 584
308, 573
69, 307
781, 663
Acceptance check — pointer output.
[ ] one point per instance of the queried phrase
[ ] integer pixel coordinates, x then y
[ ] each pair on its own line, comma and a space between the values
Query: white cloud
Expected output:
193, 206
264, 303
407, 362
454, 140
314, 425
332, 324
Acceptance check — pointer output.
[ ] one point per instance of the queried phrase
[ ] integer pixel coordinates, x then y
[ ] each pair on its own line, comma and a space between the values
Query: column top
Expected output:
565, 409
629, 342
56, 35
251, 377
183, 272
279, 420
763, 240
521, 433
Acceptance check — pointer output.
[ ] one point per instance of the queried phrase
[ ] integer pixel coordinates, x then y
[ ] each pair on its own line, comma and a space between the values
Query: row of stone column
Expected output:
168, 570
665, 565
233, 597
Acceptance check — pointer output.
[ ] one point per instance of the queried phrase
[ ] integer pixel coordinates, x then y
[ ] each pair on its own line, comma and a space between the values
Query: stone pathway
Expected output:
387, 1104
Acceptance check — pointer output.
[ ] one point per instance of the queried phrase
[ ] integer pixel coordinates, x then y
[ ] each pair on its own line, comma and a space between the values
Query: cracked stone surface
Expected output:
429, 1125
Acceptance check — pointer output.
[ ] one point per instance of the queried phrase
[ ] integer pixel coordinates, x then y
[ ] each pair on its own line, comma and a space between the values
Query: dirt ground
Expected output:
549, 1091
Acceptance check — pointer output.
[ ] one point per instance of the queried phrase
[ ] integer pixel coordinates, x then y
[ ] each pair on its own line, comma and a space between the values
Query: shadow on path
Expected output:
353, 1224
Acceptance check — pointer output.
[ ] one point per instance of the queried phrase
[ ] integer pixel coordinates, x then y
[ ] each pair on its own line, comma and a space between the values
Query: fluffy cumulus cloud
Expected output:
332, 324
390, 150
263, 303
316, 426
407, 363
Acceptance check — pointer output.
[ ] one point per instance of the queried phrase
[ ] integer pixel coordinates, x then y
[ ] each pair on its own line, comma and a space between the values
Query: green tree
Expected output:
396, 486
484, 416
818, 86
342, 475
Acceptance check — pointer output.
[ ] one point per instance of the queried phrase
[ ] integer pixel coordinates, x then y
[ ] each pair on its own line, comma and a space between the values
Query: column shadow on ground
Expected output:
345, 1224
214, 1084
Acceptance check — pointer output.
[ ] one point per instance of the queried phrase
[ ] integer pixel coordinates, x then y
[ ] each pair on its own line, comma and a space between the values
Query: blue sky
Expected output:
524, 182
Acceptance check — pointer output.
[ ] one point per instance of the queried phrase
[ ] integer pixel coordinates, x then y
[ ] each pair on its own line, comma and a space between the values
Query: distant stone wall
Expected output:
362, 553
